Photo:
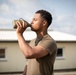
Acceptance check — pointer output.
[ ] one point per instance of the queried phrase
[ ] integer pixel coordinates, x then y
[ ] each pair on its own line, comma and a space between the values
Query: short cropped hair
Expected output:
45, 15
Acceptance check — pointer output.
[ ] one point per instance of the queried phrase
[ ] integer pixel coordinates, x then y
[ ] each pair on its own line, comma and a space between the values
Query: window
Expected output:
60, 53
2, 53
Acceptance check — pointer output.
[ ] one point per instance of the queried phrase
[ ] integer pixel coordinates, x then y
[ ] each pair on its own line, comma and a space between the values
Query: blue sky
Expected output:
63, 12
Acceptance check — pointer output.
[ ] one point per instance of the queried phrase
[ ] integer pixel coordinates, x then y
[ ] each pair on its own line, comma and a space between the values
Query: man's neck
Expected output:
41, 34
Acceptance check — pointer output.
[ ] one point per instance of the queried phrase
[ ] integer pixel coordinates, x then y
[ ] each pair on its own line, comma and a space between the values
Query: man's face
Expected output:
37, 22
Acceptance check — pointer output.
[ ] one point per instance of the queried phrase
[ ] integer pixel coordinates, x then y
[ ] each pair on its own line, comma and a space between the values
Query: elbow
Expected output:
29, 56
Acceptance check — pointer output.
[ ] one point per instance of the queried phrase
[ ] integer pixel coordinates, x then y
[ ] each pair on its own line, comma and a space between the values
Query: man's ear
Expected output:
44, 23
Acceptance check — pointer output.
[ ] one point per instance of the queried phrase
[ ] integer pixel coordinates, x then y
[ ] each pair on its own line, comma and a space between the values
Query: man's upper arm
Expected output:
42, 49
39, 51
45, 47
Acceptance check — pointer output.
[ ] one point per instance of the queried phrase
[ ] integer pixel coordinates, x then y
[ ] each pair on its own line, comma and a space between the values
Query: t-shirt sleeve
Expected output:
48, 44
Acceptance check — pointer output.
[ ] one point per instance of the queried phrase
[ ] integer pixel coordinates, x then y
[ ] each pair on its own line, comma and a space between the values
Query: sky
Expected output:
63, 13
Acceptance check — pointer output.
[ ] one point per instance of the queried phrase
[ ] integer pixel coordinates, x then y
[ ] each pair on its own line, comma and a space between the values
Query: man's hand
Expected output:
20, 27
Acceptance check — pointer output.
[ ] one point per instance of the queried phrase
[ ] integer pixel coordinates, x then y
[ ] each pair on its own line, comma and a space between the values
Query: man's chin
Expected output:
32, 29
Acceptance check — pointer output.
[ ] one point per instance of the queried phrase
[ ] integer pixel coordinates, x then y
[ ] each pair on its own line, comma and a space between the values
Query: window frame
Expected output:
60, 57
3, 59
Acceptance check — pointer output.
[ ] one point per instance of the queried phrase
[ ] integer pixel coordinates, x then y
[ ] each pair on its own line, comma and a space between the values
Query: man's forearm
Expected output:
26, 49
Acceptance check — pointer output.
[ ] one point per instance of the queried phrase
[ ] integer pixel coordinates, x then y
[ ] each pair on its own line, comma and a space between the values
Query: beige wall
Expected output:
15, 60
69, 56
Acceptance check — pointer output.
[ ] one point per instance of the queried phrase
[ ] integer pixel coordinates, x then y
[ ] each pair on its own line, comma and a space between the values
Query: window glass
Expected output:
60, 52
2, 53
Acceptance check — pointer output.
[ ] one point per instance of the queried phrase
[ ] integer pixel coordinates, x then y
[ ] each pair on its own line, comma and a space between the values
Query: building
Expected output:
12, 59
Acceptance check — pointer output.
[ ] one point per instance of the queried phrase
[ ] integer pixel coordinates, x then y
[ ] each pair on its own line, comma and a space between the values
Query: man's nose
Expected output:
32, 22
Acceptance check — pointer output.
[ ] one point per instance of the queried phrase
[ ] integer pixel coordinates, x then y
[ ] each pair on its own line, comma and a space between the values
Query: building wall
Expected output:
15, 60
68, 61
